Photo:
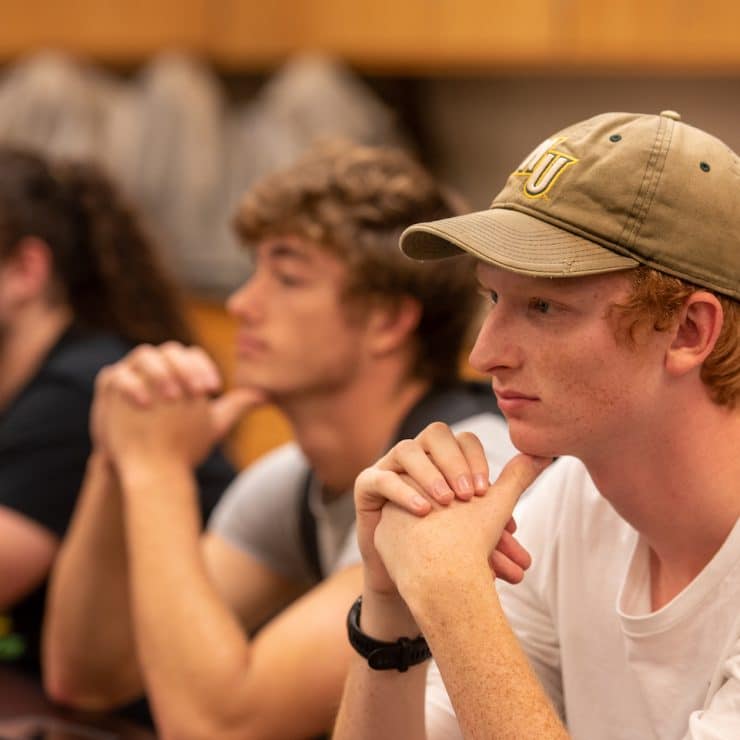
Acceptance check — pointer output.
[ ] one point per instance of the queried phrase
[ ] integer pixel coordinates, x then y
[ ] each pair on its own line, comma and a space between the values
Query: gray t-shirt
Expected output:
260, 512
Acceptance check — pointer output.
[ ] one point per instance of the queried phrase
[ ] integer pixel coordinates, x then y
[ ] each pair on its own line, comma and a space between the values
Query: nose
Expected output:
247, 302
495, 347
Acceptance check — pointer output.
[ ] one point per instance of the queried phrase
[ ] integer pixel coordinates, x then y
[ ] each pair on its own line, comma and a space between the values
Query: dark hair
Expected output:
104, 265
354, 201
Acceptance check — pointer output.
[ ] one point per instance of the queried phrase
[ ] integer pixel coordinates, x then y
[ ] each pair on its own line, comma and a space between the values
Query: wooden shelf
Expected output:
393, 36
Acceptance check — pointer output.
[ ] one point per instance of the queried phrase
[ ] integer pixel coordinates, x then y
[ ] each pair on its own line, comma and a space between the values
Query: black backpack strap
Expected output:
449, 405
308, 529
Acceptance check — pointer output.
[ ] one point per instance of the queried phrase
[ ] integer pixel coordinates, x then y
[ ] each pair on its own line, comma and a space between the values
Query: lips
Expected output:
512, 402
247, 344
511, 394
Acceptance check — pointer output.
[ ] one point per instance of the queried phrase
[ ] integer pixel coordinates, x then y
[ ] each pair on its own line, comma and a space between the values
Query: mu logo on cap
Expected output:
543, 167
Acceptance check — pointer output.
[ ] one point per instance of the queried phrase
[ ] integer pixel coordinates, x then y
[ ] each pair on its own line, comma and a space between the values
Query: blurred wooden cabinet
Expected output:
684, 34
107, 30
395, 36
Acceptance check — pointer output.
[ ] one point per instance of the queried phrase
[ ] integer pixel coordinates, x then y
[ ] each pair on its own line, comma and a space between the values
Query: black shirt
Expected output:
44, 446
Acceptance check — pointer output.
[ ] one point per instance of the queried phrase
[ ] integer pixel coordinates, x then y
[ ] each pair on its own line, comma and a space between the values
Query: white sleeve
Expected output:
259, 512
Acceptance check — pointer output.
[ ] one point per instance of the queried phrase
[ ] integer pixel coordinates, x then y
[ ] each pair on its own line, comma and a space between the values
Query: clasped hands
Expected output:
426, 514
161, 402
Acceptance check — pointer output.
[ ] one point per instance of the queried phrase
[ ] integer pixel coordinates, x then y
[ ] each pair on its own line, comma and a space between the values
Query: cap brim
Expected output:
514, 241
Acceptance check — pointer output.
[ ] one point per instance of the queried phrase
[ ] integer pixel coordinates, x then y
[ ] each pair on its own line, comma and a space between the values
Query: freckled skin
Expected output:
569, 358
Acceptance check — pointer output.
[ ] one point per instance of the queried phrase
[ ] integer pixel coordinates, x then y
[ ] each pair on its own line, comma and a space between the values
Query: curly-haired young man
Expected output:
358, 347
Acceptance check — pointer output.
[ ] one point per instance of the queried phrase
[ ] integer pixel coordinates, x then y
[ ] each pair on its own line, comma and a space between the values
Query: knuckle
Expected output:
383, 477
141, 350
360, 479
365, 478
405, 447
468, 439
102, 377
436, 428
199, 352
118, 375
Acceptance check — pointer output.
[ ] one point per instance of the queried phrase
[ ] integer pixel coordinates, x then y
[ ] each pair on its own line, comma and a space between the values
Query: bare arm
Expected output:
383, 704
253, 591
205, 677
491, 685
437, 561
89, 657
27, 551
89, 651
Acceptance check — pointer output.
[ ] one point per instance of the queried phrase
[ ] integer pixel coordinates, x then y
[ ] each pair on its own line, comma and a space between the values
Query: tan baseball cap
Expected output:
607, 194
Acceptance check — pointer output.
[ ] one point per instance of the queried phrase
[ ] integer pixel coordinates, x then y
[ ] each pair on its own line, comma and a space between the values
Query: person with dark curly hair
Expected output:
358, 347
80, 285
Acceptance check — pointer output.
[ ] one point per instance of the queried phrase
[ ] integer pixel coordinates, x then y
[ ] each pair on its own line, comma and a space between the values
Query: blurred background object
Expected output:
178, 149
469, 84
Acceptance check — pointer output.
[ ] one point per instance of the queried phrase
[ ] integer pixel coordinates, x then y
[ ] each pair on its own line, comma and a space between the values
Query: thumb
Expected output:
227, 408
517, 475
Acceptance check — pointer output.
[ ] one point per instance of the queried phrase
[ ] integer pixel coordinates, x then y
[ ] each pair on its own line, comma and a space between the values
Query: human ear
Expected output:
29, 269
695, 333
392, 323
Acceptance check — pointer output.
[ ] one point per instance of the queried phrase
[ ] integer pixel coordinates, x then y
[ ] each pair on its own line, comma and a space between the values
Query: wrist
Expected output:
386, 616
439, 599
101, 478
100, 464
155, 472
382, 655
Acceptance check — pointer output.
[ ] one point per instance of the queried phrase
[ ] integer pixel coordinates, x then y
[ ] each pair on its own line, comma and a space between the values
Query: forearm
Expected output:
491, 685
193, 652
88, 647
386, 704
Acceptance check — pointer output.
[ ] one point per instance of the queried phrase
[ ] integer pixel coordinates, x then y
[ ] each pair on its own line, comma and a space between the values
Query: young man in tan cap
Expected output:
612, 263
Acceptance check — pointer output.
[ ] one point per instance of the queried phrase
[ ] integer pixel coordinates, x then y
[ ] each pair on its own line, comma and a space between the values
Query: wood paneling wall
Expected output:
410, 36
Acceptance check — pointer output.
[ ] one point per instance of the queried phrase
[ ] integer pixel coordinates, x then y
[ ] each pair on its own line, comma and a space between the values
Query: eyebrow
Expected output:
285, 250
566, 287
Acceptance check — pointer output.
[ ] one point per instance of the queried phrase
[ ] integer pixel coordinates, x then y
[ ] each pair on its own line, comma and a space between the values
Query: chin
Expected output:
536, 442
241, 381
250, 377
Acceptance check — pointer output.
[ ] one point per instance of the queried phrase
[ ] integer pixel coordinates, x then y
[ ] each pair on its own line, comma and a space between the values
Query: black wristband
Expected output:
385, 656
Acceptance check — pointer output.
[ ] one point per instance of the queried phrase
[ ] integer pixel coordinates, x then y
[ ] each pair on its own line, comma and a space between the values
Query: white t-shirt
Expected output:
614, 669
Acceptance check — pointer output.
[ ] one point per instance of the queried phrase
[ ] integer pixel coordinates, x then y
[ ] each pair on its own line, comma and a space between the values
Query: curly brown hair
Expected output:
656, 299
354, 202
105, 267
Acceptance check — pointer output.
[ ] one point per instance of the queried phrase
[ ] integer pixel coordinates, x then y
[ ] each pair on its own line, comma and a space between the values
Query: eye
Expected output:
540, 305
289, 276
491, 296
289, 280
